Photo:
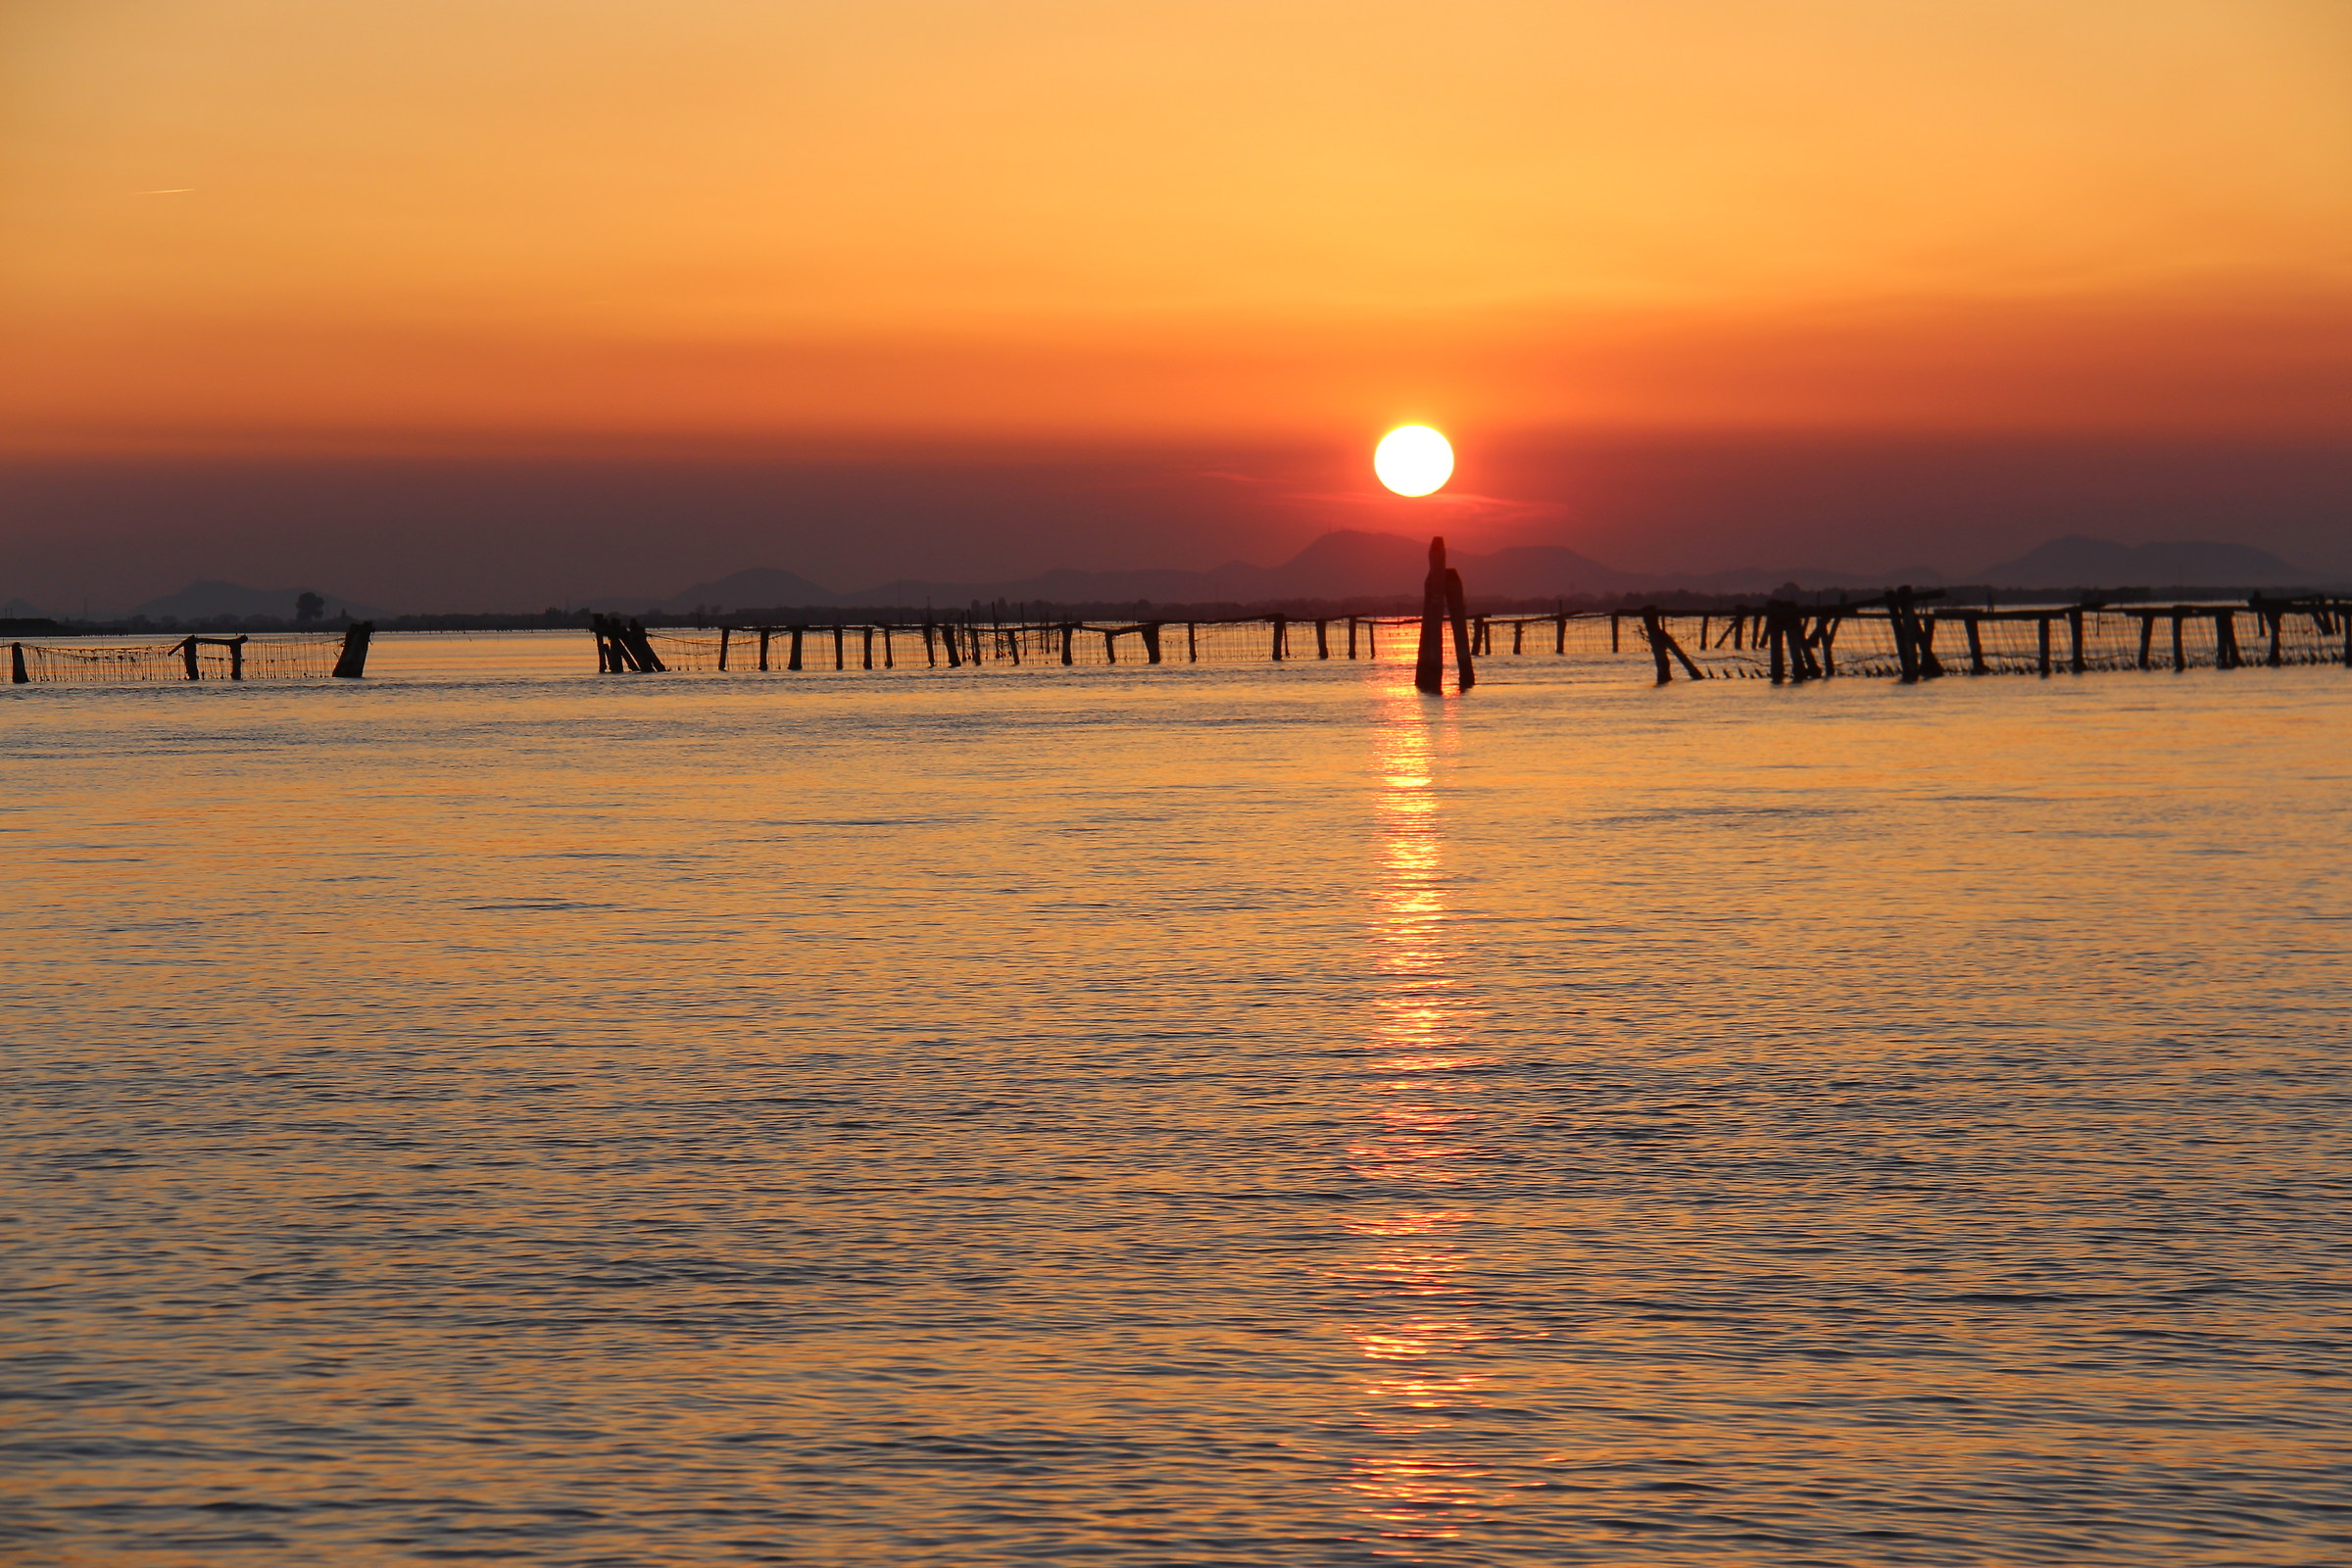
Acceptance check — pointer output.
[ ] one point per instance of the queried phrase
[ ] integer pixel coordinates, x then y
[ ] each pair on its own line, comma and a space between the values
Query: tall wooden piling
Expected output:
2073, 635
2042, 665
188, 656
1465, 668
1559, 632
16, 665
868, 662
1656, 634
1192, 643
1152, 640
1976, 642
2148, 636
1351, 636
2225, 640
1069, 631
352, 662
1282, 636
2179, 650
1322, 638
794, 660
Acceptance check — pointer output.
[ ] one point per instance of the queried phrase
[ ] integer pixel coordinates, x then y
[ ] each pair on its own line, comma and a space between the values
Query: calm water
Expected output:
1216, 1115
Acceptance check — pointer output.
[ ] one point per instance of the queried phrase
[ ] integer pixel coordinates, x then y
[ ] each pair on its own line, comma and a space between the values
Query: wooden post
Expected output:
1322, 638
839, 662
1930, 666
236, 656
1070, 630
1906, 627
1704, 625
723, 633
1282, 635
1738, 628
1429, 668
1657, 647
794, 660
2277, 619
352, 662
1613, 631
1559, 633
188, 656
1351, 636
16, 665
1152, 640
1829, 636
1110, 648
2180, 653
1372, 641
1976, 644
1010, 641
2148, 636
1465, 670
1192, 643
766, 633
975, 643
2074, 633
1775, 636
2225, 640
888, 662
869, 648
2043, 667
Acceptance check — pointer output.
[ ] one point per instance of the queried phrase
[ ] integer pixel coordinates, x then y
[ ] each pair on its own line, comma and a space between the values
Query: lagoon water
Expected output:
1226, 1115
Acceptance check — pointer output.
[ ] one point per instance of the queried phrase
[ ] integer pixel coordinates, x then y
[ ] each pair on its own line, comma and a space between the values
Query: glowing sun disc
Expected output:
1413, 460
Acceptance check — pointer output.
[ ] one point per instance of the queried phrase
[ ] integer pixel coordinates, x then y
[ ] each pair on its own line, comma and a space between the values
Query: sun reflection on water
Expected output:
1411, 1486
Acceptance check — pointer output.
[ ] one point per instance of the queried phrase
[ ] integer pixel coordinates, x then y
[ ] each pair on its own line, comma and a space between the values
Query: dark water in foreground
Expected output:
1183, 1117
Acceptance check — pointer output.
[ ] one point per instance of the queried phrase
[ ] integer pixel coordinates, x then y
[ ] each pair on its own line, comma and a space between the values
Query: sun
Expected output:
1413, 460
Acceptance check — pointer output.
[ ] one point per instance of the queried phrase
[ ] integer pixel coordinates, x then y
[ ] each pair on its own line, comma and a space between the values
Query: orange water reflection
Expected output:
1411, 1486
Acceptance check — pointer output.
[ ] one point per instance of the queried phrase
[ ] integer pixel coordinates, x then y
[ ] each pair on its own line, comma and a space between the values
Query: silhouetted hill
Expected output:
201, 601
2077, 561
757, 585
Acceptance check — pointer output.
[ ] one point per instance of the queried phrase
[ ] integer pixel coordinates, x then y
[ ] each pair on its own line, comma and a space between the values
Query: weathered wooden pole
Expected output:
1111, 646
188, 656
642, 646
236, 656
1976, 642
2278, 620
2180, 650
792, 659
1613, 631
1775, 637
1282, 635
1322, 638
1372, 639
1906, 627
1465, 668
1192, 643
1658, 646
2225, 638
723, 634
352, 662
1559, 632
2044, 667
2074, 634
869, 648
16, 665
2148, 636
1070, 630
888, 662
766, 633
1152, 640
1351, 636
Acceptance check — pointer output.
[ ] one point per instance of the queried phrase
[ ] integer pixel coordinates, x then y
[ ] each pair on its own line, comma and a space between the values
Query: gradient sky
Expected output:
786, 231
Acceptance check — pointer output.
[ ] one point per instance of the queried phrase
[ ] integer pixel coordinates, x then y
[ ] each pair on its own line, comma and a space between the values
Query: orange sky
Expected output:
511, 225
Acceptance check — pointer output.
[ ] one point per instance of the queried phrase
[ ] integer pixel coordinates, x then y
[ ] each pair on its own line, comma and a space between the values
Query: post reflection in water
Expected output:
1413, 1485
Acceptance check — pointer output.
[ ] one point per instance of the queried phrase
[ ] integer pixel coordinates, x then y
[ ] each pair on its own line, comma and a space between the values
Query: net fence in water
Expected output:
295, 657
1837, 641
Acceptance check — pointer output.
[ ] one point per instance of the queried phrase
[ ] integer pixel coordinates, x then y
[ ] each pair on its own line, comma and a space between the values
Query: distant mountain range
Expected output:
1353, 565
1356, 564
201, 601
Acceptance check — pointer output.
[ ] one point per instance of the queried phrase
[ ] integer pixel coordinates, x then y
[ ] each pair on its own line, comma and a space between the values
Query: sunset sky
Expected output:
516, 236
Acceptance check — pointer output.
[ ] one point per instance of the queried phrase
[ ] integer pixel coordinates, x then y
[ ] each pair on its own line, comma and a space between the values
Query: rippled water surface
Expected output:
1220, 1115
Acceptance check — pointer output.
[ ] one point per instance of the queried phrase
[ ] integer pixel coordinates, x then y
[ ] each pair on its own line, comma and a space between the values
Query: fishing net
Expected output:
180, 659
